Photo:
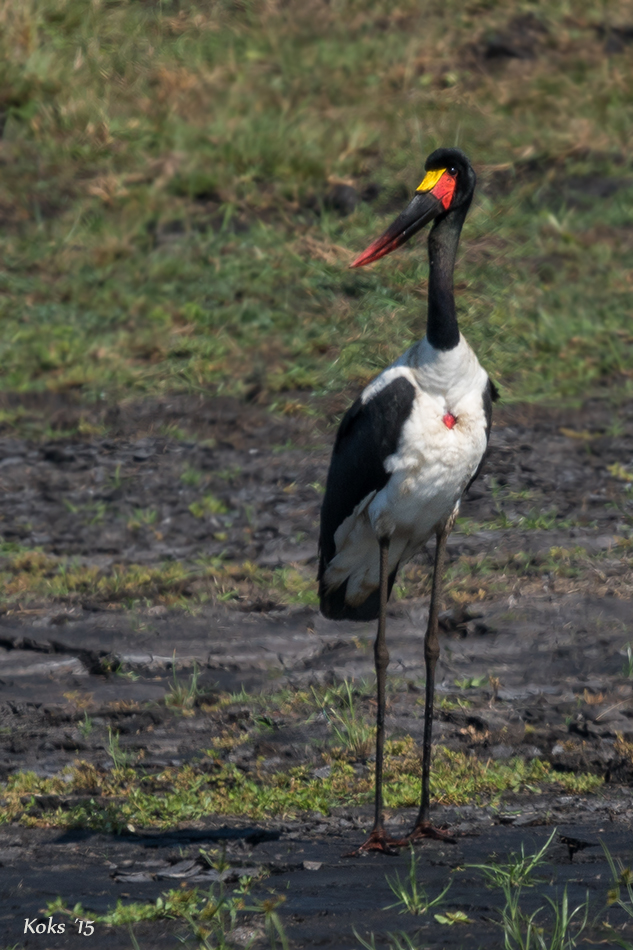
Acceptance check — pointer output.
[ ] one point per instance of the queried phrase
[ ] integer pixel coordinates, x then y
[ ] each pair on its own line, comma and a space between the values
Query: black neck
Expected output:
442, 331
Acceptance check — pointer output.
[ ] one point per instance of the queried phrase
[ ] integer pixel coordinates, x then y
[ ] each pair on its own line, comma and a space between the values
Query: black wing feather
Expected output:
490, 395
368, 434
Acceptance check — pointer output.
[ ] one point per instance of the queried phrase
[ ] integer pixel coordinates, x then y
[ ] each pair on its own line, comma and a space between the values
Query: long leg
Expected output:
378, 840
423, 827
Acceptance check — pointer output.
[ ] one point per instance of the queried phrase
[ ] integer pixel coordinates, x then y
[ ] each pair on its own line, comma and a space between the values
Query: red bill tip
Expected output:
375, 251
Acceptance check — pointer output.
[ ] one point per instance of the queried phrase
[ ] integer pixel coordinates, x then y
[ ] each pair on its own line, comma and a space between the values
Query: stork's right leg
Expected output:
423, 827
378, 840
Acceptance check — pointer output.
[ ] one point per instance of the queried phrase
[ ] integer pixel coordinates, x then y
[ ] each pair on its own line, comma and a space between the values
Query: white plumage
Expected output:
429, 470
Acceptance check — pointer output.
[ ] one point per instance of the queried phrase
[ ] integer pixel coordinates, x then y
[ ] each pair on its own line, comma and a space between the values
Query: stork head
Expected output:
448, 184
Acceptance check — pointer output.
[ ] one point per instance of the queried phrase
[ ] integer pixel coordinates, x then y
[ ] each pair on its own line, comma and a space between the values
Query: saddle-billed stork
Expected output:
405, 453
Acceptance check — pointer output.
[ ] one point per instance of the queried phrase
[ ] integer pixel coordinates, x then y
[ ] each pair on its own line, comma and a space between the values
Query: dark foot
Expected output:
377, 841
425, 829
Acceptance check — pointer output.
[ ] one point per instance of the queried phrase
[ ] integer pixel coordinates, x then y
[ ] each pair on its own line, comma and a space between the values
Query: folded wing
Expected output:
369, 433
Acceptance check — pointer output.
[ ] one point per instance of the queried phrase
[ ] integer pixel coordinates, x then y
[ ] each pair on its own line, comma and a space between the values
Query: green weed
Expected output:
622, 881
123, 797
184, 696
120, 758
524, 932
86, 726
192, 477
211, 916
350, 729
396, 941
272, 923
142, 518
518, 870
209, 505
411, 898
452, 917
472, 682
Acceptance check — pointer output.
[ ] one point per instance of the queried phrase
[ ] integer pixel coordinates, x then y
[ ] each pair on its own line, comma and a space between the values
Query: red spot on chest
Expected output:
449, 420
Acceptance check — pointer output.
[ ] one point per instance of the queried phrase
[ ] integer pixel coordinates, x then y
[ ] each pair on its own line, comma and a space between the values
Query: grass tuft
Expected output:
115, 800
411, 897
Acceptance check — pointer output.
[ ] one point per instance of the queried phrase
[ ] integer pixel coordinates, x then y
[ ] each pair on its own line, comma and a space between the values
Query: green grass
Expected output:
123, 799
30, 577
523, 931
211, 916
411, 897
164, 165
184, 696
33, 577
519, 869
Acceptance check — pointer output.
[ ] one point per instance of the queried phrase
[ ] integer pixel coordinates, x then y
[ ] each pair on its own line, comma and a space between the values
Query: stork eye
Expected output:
452, 170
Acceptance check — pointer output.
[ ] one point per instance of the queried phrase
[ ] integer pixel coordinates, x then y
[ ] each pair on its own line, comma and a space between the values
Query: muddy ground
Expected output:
541, 655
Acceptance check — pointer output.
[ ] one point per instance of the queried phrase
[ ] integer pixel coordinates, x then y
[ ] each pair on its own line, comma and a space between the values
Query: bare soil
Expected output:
548, 650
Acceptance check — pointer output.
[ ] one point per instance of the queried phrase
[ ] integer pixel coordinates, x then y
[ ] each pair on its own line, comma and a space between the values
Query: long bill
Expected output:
423, 208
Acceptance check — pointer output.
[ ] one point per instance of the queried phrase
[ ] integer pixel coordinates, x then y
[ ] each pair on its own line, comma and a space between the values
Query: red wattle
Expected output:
449, 420
444, 190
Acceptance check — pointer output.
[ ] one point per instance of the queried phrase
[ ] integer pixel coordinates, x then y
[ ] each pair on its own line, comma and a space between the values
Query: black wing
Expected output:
490, 395
368, 434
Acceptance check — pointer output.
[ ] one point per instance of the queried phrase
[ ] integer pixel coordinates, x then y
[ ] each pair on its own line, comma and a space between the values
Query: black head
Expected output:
447, 186
456, 184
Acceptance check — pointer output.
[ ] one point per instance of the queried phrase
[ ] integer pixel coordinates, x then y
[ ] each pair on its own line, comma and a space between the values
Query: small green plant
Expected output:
627, 668
216, 858
142, 518
621, 879
519, 869
183, 696
452, 917
228, 474
241, 696
191, 476
472, 682
211, 916
411, 897
272, 924
209, 505
348, 726
523, 932
116, 479
135, 943
96, 512
447, 705
127, 674
86, 726
397, 941
120, 758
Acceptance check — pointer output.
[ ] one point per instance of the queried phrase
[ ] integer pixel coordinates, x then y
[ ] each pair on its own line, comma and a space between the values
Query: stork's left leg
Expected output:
423, 827
378, 839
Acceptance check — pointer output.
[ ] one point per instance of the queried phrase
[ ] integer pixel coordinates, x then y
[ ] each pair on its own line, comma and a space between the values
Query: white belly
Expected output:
430, 470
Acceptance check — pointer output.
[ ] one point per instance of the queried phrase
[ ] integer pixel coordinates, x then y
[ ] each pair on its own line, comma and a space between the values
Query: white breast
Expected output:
433, 464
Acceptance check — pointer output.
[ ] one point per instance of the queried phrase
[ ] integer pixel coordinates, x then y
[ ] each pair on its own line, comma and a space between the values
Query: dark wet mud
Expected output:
327, 896
540, 654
